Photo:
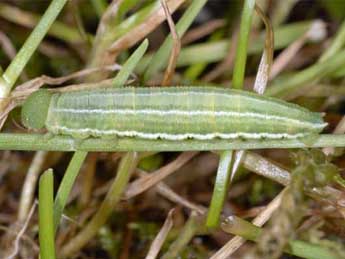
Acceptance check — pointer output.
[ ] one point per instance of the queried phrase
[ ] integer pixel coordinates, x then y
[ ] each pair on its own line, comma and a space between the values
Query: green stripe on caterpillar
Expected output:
172, 113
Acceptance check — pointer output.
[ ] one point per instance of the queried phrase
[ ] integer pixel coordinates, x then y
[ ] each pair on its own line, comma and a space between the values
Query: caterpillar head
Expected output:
35, 109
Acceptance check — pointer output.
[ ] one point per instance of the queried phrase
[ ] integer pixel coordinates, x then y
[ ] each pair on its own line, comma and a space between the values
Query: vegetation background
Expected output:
289, 203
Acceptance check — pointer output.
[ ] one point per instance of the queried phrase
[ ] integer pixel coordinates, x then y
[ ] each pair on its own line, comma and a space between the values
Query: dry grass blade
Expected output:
144, 183
239, 156
168, 193
202, 31
339, 129
143, 29
162, 235
286, 56
86, 86
27, 88
267, 56
99, 55
261, 78
169, 72
9, 106
88, 180
30, 183
53, 50
189, 230
230, 247
165, 191
108, 15
316, 29
21, 233
7, 46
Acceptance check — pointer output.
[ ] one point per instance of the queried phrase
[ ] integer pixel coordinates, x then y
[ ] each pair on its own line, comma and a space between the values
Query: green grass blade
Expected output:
310, 251
195, 70
188, 231
128, 67
17, 65
46, 215
282, 88
242, 45
67, 184
132, 21
220, 189
337, 44
160, 59
99, 6
125, 6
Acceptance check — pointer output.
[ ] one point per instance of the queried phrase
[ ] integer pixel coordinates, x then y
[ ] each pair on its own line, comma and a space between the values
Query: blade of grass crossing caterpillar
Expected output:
238, 78
219, 195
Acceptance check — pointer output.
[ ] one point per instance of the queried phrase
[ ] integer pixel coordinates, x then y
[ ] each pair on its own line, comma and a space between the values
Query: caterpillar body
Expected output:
173, 113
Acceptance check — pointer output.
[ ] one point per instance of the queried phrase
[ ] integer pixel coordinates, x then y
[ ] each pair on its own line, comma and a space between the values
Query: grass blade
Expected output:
67, 184
242, 46
99, 6
220, 189
30, 142
17, 65
46, 215
128, 67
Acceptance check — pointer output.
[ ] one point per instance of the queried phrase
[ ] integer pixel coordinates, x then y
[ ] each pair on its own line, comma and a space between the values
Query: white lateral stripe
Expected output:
189, 113
183, 136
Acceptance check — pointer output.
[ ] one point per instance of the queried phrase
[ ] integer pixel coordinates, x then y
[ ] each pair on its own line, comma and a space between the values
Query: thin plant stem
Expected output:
30, 142
162, 55
161, 236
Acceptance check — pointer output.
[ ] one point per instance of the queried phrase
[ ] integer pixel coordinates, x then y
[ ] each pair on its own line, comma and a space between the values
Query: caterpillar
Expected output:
172, 113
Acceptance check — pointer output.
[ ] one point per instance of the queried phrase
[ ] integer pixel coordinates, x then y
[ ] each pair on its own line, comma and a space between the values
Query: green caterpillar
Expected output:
173, 113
